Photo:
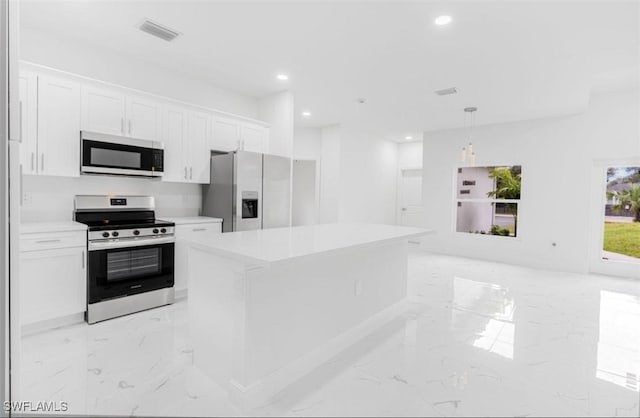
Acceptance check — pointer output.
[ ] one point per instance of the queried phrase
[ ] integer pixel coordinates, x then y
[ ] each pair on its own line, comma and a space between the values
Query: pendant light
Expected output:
467, 152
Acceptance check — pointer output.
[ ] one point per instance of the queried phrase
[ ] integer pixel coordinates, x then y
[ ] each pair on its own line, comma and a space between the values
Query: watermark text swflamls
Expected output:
39, 406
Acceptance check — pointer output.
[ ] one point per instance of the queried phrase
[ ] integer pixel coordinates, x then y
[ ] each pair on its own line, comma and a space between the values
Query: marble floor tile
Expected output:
479, 339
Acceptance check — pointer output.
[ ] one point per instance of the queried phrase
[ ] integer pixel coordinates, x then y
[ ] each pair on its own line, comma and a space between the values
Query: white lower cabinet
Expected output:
183, 234
52, 279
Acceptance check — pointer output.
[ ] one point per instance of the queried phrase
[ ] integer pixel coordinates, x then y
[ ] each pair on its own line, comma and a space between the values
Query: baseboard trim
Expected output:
49, 324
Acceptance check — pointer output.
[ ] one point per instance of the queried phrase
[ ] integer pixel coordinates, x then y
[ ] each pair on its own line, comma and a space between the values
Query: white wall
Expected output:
111, 66
307, 145
51, 198
277, 110
358, 176
557, 157
330, 175
410, 155
368, 177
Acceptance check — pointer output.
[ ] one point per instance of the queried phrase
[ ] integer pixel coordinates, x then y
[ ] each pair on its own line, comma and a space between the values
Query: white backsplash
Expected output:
46, 198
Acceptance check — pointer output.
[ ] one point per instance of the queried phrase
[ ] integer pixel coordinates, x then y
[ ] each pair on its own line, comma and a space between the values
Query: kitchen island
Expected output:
267, 307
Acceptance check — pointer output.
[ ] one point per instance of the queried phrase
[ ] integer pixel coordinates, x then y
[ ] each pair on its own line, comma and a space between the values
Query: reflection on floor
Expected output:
479, 339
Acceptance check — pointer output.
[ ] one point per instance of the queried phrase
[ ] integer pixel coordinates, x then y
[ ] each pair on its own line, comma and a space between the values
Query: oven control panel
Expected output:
131, 233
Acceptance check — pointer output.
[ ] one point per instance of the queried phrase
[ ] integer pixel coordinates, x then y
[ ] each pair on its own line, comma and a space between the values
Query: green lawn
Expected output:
622, 238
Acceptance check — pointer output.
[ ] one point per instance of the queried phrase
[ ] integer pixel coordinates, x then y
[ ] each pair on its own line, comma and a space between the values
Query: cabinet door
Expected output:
58, 126
103, 110
183, 234
28, 122
225, 135
52, 284
197, 147
253, 138
175, 134
143, 118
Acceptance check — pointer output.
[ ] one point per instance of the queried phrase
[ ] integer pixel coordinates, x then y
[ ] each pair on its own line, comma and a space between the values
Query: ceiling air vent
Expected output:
446, 92
158, 30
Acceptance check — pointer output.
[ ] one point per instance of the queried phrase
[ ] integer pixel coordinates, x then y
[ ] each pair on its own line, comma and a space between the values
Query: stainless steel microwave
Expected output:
111, 154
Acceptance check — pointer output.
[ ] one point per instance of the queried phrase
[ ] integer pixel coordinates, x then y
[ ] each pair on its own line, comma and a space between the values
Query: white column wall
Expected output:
277, 110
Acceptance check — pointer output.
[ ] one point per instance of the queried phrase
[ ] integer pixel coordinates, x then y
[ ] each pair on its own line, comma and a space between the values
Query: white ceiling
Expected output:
514, 60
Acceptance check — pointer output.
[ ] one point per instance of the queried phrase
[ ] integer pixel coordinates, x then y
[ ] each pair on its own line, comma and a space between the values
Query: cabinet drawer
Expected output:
186, 231
50, 241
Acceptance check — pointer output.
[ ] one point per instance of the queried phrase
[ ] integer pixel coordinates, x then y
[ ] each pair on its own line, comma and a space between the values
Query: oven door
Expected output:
105, 154
127, 271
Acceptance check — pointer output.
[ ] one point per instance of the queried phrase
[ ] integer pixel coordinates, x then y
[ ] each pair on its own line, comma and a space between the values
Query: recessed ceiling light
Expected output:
408, 138
306, 114
282, 77
443, 20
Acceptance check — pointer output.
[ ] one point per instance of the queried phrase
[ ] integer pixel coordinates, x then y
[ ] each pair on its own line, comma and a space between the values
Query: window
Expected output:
622, 215
487, 200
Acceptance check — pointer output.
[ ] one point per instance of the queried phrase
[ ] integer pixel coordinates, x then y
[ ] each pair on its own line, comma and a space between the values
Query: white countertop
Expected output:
43, 227
272, 245
188, 220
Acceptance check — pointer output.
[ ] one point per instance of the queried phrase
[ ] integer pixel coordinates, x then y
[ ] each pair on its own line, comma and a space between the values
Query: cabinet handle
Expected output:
33, 157
129, 126
42, 162
190, 173
122, 125
47, 241
199, 229
82, 260
185, 172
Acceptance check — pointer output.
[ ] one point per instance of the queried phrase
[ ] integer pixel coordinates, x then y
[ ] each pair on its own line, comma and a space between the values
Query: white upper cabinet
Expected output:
58, 126
56, 106
110, 111
254, 138
103, 110
186, 136
174, 135
28, 122
225, 135
197, 148
143, 118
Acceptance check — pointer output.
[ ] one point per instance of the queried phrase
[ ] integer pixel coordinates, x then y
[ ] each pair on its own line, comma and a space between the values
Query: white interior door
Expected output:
411, 211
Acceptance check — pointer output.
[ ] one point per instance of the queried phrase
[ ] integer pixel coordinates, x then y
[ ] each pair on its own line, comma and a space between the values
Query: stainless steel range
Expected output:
130, 255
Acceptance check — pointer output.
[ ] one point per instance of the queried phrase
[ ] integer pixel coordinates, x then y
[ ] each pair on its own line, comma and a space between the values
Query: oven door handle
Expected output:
136, 242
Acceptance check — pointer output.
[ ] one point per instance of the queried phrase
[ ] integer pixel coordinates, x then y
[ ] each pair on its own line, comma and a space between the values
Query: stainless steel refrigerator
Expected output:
248, 190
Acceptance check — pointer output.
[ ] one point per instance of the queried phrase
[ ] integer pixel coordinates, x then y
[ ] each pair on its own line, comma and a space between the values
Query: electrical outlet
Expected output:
26, 198
357, 287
